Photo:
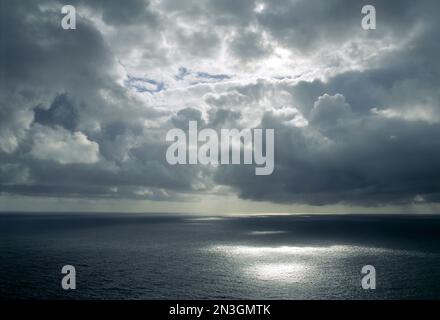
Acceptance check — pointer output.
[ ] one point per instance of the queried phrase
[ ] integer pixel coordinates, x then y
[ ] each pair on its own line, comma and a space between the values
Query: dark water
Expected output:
181, 257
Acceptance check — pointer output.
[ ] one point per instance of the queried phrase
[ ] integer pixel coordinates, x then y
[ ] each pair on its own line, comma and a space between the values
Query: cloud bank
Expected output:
84, 113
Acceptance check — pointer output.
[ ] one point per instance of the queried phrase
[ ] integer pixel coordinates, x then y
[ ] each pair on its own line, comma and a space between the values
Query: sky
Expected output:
84, 113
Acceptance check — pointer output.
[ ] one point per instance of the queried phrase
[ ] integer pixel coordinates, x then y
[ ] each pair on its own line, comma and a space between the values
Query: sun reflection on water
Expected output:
285, 263
280, 250
281, 263
291, 272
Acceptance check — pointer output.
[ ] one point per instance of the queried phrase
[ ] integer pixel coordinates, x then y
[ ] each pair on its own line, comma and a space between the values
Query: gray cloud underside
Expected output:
365, 132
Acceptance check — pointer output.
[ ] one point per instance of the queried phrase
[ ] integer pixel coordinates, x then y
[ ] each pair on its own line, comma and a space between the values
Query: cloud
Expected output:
84, 113
249, 45
64, 147
329, 111
344, 157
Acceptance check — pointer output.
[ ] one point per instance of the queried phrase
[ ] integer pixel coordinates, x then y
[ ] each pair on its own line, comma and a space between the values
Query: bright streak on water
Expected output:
288, 272
265, 233
283, 263
281, 250
290, 264
307, 251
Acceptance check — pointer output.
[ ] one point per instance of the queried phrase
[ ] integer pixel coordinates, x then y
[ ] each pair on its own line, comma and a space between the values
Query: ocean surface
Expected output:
132, 256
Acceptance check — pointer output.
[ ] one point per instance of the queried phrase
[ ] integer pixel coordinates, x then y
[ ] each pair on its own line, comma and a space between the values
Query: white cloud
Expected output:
64, 147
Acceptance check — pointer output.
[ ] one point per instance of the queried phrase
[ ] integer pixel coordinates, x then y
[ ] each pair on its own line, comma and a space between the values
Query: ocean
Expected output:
171, 256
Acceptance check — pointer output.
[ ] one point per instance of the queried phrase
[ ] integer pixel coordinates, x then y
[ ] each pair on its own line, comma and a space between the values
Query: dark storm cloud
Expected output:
62, 112
312, 25
126, 12
369, 161
67, 128
74, 121
38, 52
373, 135
120, 13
